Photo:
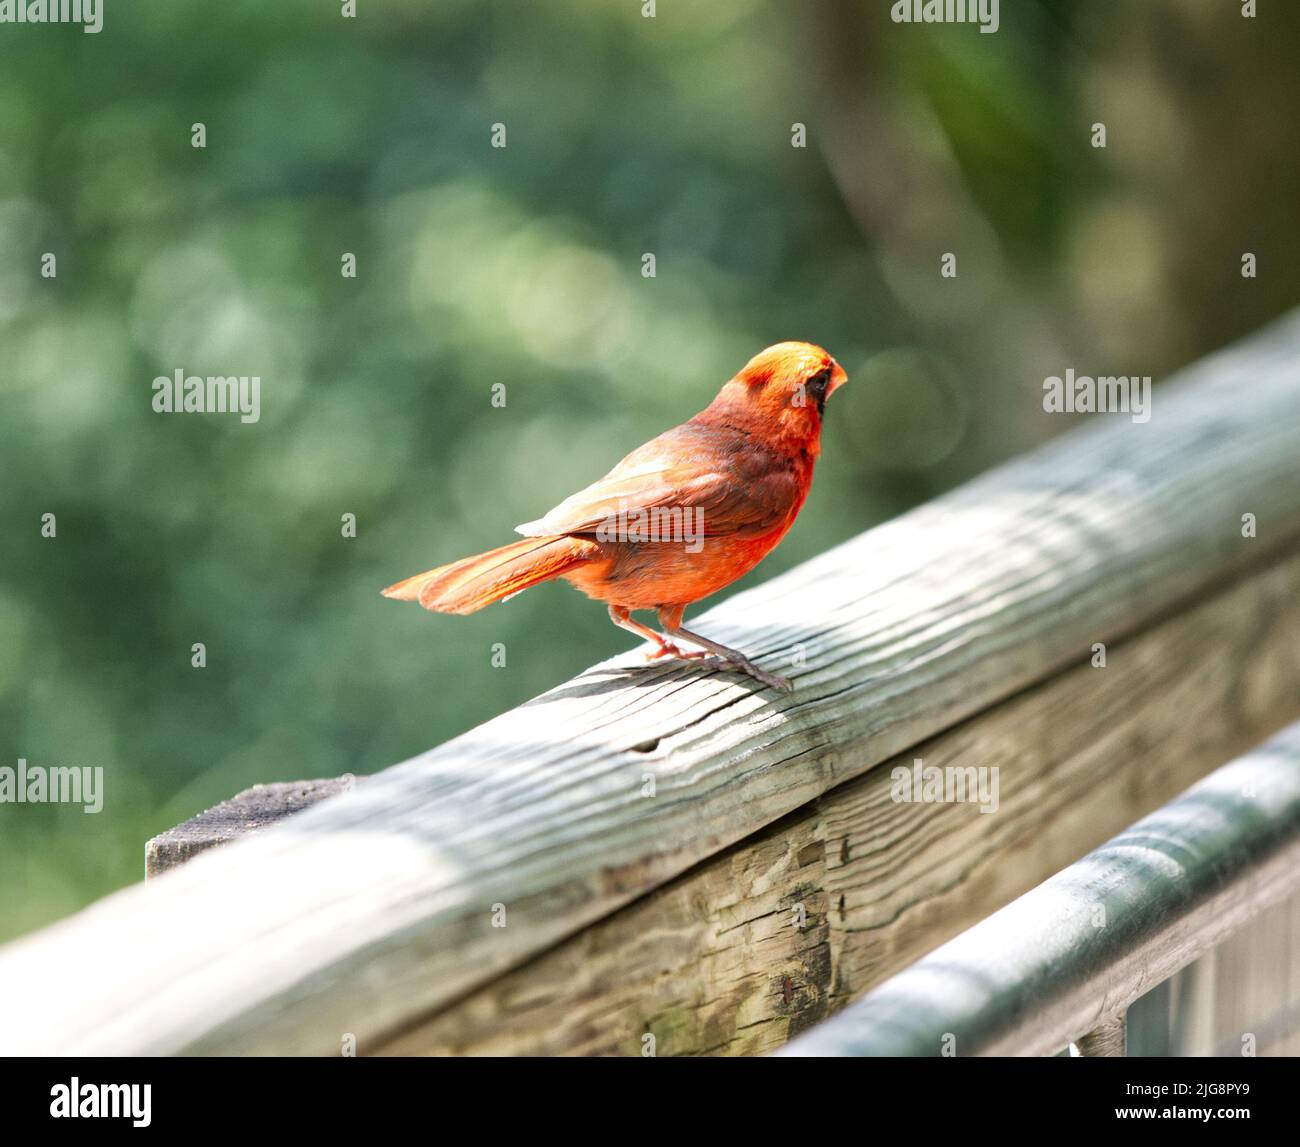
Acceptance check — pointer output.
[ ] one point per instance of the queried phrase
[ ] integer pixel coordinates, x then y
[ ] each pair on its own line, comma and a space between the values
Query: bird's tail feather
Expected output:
472, 583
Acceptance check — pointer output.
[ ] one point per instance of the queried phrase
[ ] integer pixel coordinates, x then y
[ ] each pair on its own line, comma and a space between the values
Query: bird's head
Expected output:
792, 374
784, 388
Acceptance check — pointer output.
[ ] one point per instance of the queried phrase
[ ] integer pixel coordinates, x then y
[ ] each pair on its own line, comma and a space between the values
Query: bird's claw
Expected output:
741, 665
668, 649
780, 684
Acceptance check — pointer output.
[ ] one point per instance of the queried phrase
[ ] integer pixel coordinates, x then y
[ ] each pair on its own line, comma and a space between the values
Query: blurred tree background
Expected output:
522, 266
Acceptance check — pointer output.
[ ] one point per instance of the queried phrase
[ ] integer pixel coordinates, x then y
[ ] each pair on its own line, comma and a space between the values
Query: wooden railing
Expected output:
1062, 964
677, 861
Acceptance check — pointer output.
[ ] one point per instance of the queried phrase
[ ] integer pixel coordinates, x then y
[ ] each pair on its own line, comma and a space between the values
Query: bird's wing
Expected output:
728, 488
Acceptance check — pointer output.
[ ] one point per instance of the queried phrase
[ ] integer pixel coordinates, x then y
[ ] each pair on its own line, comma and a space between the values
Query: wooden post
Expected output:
253, 809
1109, 1038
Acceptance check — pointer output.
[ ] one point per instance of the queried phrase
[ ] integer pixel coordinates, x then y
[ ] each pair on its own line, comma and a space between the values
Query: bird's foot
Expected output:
744, 665
668, 649
730, 659
661, 651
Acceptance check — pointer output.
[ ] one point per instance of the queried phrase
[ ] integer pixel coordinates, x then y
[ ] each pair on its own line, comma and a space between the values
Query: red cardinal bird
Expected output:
679, 518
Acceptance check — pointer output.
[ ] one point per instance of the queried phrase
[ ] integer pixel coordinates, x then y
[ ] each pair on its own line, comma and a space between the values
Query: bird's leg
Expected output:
670, 617
621, 616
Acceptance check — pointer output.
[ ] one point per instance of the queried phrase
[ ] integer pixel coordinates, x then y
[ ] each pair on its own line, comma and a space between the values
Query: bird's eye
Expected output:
815, 387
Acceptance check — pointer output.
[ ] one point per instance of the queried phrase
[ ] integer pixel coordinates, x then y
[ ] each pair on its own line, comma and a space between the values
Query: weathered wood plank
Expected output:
716, 963
377, 907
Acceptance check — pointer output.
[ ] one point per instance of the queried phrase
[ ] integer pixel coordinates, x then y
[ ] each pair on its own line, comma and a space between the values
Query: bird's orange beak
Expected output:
838, 379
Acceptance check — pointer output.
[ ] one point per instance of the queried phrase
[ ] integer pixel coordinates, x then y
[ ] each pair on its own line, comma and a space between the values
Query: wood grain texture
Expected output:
716, 961
377, 907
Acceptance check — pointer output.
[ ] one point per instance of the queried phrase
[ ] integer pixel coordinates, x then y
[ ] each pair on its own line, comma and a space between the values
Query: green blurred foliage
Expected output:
522, 266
